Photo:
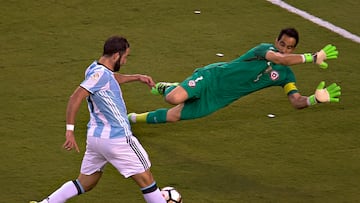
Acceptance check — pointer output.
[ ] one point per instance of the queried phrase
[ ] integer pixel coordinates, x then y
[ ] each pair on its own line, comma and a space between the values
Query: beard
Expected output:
117, 65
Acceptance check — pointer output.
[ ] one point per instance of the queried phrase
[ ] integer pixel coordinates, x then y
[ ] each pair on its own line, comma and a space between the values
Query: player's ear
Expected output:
116, 56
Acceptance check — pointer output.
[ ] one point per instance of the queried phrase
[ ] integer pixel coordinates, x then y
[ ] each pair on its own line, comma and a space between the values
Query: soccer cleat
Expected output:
160, 87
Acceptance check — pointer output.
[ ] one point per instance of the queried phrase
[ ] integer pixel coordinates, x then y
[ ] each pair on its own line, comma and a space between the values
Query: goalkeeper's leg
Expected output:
161, 115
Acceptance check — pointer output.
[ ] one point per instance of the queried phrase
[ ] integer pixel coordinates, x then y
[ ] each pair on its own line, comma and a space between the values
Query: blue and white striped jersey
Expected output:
108, 114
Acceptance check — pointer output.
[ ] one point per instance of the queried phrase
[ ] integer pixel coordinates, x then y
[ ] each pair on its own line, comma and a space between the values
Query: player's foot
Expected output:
160, 87
132, 117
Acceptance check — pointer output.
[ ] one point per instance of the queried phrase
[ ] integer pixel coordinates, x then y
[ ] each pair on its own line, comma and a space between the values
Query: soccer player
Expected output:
109, 135
217, 85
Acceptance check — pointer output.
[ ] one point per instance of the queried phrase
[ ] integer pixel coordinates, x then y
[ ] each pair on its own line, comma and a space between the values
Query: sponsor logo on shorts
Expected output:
274, 75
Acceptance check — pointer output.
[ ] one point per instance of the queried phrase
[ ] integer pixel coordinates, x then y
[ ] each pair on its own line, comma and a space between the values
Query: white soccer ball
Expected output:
171, 195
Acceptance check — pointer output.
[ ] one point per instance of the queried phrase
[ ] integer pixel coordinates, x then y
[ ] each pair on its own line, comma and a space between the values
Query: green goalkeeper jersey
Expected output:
217, 85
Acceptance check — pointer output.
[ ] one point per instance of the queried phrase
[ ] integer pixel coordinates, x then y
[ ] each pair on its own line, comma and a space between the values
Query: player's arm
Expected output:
328, 52
72, 108
123, 78
322, 95
284, 59
74, 104
298, 101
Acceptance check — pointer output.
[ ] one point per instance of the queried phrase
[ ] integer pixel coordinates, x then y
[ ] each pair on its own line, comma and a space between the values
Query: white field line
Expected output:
316, 20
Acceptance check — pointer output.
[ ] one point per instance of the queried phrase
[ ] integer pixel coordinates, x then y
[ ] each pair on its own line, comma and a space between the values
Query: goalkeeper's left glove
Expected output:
329, 94
328, 52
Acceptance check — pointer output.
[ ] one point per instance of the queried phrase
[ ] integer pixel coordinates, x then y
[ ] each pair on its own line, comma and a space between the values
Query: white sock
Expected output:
65, 192
154, 197
152, 194
132, 117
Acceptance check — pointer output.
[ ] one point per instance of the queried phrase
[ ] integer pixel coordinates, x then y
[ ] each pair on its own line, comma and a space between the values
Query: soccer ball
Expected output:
171, 195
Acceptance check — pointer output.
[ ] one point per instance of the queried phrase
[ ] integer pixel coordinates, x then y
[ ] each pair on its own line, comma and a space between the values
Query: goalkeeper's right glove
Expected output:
329, 94
328, 52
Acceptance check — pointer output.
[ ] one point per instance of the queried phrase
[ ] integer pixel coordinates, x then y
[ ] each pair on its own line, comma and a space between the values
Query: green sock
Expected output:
157, 116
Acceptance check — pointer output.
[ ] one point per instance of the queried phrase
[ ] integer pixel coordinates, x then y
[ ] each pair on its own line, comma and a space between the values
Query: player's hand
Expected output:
147, 80
70, 142
328, 94
328, 52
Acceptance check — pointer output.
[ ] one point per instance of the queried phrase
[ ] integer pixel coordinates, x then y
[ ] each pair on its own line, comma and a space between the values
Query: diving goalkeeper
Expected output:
217, 85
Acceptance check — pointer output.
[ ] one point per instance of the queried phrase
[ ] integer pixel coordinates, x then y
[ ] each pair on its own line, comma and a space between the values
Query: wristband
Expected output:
311, 100
70, 127
308, 58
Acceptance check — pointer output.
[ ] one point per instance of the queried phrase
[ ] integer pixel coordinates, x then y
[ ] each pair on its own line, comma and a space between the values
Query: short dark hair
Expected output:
291, 32
114, 45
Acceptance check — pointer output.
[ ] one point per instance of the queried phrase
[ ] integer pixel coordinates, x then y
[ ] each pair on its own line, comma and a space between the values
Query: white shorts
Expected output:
125, 154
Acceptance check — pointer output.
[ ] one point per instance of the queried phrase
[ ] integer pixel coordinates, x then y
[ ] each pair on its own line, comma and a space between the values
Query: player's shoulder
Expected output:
266, 46
96, 69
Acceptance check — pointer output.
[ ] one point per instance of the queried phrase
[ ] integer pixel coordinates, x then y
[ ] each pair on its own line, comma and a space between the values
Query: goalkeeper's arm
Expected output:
322, 95
328, 52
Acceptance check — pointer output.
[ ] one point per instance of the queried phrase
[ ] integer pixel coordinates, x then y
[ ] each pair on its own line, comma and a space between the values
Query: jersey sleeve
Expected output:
289, 84
262, 49
95, 81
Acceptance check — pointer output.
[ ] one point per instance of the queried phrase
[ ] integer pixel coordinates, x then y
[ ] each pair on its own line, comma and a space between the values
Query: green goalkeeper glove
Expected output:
328, 52
329, 94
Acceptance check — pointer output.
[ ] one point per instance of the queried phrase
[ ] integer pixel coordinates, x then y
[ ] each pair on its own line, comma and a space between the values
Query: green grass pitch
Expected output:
237, 154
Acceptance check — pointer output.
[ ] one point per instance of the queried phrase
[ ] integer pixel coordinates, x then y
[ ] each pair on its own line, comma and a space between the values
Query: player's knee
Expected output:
172, 99
176, 96
172, 117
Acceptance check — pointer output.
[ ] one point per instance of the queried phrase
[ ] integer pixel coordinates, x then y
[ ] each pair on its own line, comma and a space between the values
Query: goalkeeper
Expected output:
217, 85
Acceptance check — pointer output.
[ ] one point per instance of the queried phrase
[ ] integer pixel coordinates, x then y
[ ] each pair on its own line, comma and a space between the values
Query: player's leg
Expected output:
161, 115
150, 190
88, 182
92, 165
177, 95
129, 157
73, 188
65, 192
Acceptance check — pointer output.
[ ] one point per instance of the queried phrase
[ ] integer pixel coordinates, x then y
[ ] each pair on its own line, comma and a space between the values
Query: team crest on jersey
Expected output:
192, 83
95, 76
274, 75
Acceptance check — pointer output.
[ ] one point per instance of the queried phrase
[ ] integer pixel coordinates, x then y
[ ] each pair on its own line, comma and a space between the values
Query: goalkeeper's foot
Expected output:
160, 87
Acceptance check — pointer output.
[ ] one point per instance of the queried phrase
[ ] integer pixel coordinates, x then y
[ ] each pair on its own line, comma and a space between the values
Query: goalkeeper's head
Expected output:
287, 40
